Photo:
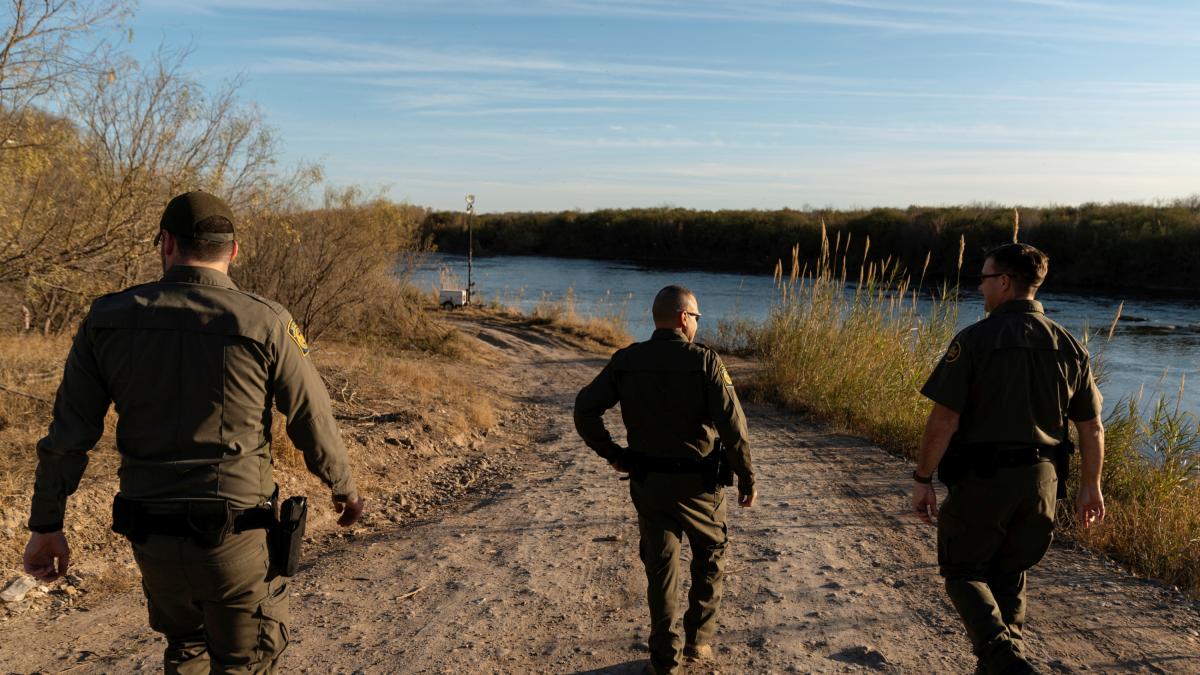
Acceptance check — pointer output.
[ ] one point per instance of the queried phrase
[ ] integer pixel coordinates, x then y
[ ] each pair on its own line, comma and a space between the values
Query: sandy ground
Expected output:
534, 569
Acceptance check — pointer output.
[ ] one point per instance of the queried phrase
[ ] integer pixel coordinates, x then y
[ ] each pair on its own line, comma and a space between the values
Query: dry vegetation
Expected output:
83, 189
405, 416
604, 329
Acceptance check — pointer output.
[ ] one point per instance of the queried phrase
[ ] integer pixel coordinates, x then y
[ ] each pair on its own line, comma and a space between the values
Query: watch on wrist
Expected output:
923, 480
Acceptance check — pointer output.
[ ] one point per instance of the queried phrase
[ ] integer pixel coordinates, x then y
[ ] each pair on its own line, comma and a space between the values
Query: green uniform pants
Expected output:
217, 607
668, 507
990, 531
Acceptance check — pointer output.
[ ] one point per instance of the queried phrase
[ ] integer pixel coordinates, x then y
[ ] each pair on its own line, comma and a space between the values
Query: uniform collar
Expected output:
669, 334
1020, 306
186, 274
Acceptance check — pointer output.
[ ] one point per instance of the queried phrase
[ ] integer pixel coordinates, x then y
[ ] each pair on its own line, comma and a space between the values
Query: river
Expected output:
1157, 345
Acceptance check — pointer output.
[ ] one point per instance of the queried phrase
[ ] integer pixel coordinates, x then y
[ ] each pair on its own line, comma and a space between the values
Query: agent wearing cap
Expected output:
193, 366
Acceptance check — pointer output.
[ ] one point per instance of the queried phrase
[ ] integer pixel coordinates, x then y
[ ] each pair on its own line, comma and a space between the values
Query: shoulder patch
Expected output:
297, 337
953, 352
724, 375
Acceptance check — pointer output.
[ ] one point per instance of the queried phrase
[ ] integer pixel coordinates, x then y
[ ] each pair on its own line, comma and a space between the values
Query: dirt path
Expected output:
538, 572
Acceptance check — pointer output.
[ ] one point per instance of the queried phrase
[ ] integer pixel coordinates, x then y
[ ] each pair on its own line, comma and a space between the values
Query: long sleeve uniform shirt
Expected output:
676, 397
194, 367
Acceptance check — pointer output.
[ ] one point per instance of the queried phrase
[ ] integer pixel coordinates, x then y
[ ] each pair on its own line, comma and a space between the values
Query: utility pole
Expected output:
470, 246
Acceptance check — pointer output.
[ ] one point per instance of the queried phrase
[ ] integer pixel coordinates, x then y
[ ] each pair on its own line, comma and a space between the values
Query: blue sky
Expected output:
587, 104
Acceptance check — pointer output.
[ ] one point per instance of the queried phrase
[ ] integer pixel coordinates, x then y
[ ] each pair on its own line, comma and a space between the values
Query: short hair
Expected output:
669, 302
1024, 264
203, 250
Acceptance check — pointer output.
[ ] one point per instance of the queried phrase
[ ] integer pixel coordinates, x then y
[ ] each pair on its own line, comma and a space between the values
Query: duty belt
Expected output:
1021, 456
652, 464
179, 523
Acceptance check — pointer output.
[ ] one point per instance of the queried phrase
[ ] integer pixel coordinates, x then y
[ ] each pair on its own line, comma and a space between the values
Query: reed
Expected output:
854, 351
1151, 483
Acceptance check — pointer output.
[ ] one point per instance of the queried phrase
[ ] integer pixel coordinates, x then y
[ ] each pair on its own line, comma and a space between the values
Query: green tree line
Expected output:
1112, 246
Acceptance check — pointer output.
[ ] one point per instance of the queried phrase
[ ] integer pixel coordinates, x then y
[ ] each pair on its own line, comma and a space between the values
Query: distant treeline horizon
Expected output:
1103, 246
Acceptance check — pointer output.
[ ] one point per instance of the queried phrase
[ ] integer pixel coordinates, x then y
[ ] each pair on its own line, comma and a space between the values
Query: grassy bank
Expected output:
854, 348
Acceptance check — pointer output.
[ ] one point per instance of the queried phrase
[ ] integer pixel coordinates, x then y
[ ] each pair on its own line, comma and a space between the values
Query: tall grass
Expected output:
1151, 482
855, 350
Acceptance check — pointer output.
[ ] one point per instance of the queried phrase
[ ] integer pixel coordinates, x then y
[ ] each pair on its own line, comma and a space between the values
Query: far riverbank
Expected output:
1157, 344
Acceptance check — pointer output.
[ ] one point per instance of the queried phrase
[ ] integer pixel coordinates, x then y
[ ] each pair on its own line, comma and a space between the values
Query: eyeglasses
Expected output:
693, 314
989, 276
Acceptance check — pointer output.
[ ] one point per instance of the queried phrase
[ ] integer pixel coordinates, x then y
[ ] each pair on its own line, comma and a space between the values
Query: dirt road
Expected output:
537, 571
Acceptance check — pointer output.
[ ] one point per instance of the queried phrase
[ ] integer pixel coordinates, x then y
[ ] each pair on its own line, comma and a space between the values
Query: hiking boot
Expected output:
698, 652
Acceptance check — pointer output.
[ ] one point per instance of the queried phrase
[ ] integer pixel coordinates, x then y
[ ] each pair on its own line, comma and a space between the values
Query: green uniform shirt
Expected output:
1013, 377
675, 397
194, 366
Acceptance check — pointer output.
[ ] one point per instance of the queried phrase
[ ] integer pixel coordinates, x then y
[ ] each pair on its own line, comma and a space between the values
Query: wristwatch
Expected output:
924, 480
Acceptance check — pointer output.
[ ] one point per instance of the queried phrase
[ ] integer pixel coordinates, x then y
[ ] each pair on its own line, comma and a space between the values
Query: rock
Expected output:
833, 585
16, 590
608, 537
863, 655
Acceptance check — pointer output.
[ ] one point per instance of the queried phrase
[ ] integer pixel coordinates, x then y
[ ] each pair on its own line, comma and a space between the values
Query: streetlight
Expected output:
470, 245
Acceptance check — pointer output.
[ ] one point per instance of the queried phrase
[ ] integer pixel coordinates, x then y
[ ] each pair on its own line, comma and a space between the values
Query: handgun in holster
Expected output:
724, 469
287, 535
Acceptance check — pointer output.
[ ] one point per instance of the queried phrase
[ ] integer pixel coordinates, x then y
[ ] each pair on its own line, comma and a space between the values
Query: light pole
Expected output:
470, 246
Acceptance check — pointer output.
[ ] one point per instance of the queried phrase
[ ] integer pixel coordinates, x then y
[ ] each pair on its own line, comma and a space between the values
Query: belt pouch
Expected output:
127, 520
288, 535
209, 521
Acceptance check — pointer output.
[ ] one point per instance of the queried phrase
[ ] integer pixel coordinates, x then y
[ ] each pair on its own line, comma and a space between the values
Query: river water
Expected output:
1157, 345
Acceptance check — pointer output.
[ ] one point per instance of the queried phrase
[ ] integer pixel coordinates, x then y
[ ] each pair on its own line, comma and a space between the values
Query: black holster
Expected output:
287, 535
1062, 465
954, 465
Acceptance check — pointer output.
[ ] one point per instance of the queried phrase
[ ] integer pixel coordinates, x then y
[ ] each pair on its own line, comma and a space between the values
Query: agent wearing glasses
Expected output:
676, 398
1002, 396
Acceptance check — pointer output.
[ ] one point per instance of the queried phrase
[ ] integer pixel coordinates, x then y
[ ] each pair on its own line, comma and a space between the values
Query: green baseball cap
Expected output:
192, 215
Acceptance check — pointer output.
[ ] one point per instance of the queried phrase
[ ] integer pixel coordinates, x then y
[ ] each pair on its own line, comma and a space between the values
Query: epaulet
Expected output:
275, 307
124, 291
100, 299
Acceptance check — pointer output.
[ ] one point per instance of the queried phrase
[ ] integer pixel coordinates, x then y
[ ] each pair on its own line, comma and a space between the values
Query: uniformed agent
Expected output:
193, 366
676, 398
1001, 397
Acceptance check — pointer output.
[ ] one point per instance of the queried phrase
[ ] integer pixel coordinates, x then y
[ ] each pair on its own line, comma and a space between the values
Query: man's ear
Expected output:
234, 253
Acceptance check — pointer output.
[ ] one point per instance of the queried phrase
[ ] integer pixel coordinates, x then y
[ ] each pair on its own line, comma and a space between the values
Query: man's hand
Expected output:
618, 466
747, 500
350, 510
1089, 505
41, 553
924, 502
